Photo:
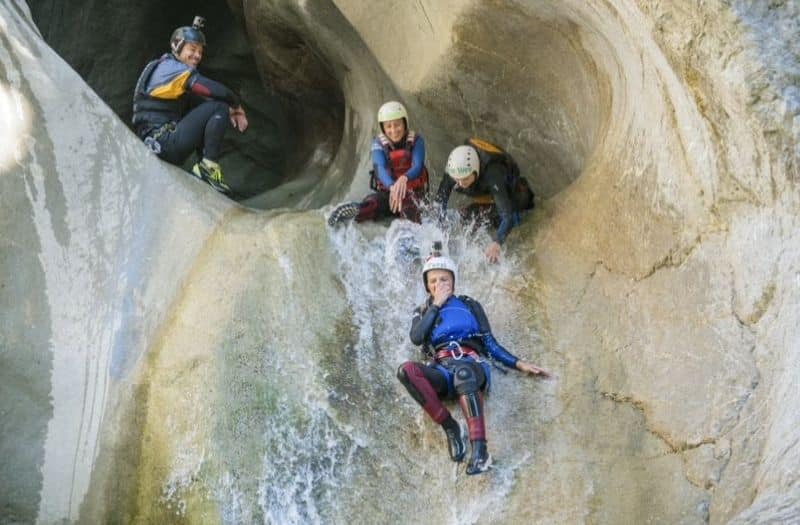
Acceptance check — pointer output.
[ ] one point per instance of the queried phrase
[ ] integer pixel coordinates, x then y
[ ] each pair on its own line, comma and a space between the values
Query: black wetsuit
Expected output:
499, 179
182, 110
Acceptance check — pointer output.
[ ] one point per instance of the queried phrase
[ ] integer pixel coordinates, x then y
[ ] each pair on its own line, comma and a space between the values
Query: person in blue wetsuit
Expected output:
455, 333
399, 177
491, 177
177, 111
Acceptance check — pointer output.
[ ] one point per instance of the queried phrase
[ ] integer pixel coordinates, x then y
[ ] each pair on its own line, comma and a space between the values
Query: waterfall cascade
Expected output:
171, 357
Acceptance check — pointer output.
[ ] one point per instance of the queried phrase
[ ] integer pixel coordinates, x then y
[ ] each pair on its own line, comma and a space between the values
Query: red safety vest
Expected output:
400, 160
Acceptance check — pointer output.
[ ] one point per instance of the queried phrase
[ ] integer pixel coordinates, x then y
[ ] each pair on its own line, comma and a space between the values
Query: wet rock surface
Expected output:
206, 364
109, 43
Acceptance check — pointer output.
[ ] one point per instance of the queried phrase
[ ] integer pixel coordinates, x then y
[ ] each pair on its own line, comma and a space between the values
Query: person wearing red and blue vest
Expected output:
178, 111
455, 334
399, 176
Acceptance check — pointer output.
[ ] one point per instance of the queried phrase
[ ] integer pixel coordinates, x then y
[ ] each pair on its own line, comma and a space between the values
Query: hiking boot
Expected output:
455, 439
344, 212
480, 461
211, 173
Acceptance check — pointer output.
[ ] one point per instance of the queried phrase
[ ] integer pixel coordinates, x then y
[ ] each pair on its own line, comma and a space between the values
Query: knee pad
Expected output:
465, 380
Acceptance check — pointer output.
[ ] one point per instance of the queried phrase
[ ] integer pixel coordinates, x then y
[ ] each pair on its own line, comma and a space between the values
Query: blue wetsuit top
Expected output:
460, 319
456, 323
383, 168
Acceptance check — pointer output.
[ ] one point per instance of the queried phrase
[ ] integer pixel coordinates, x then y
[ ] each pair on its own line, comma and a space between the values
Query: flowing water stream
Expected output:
337, 438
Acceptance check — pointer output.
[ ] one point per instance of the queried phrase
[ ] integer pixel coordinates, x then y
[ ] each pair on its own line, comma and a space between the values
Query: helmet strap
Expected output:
177, 46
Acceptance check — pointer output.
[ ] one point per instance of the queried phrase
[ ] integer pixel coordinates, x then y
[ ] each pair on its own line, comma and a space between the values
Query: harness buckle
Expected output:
454, 347
153, 144
151, 140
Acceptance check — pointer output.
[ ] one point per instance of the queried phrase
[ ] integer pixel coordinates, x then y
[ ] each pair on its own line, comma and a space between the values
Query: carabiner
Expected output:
453, 346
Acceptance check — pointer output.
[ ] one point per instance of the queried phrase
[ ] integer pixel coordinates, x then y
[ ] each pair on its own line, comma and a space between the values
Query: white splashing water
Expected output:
310, 457
381, 272
302, 468
186, 467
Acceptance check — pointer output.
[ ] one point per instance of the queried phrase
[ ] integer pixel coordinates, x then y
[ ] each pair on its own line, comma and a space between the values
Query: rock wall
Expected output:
200, 363
109, 42
87, 279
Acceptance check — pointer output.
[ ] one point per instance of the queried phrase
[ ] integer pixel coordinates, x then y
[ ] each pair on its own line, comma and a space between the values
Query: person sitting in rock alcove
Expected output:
456, 338
399, 177
491, 177
177, 111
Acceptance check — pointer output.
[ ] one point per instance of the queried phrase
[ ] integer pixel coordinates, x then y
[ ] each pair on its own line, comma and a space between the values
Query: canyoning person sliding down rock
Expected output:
177, 111
399, 177
491, 177
456, 338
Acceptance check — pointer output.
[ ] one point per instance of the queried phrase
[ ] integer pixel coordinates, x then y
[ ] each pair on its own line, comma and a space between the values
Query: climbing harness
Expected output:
455, 351
151, 140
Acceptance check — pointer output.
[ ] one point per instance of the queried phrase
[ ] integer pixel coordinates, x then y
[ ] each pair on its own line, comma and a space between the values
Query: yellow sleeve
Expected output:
172, 89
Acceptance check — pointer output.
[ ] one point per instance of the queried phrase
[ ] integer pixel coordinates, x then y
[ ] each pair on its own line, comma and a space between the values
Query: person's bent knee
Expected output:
221, 108
215, 108
412, 378
370, 209
466, 380
406, 369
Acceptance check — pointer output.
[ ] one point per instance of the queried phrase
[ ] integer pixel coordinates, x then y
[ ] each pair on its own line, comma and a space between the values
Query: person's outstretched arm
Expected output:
496, 350
443, 194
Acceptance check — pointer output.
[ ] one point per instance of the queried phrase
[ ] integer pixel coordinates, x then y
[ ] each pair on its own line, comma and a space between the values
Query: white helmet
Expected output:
438, 262
462, 162
392, 111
